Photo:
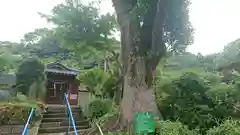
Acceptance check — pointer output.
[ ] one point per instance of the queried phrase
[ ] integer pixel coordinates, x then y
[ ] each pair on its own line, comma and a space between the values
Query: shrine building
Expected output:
60, 80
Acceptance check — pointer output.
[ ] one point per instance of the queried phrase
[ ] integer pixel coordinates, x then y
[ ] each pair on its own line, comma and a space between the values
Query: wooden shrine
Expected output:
60, 80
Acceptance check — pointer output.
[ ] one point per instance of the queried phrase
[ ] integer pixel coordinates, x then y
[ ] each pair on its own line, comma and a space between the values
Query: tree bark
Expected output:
138, 43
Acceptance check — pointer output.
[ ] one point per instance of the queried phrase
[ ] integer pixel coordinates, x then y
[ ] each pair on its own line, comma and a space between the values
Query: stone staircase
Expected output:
55, 120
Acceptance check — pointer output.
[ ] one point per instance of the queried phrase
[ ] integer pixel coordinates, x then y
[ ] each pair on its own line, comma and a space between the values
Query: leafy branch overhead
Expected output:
81, 25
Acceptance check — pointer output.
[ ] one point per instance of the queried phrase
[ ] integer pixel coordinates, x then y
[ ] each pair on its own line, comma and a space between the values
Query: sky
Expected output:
216, 22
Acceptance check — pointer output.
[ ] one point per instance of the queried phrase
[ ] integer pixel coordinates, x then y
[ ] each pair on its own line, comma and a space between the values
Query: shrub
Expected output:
182, 99
98, 108
229, 127
13, 114
99, 82
197, 100
166, 128
29, 71
173, 128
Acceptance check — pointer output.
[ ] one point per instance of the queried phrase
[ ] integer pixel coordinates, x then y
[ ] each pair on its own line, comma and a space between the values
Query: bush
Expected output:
173, 128
29, 71
197, 100
99, 82
166, 128
17, 111
229, 127
182, 99
98, 108
13, 115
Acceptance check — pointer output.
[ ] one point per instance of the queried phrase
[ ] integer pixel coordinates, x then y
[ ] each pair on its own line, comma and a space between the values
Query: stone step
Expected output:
59, 114
55, 110
60, 119
59, 124
60, 129
80, 132
62, 111
62, 114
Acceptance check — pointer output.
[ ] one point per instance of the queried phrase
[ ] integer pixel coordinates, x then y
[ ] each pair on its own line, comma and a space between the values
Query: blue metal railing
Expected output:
99, 128
25, 130
70, 116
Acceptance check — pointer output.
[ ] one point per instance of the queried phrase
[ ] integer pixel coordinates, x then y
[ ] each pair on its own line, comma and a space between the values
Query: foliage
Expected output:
29, 71
230, 54
210, 62
228, 127
99, 83
189, 60
183, 95
16, 111
173, 128
99, 108
37, 90
112, 114
166, 128
206, 100
42, 43
81, 29
82, 36
7, 60
8, 114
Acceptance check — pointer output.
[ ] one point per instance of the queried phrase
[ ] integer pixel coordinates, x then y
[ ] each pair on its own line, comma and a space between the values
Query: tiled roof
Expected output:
61, 71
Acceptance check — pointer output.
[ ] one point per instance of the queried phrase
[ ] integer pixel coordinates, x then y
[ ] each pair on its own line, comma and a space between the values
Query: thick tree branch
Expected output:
130, 27
147, 27
146, 39
158, 49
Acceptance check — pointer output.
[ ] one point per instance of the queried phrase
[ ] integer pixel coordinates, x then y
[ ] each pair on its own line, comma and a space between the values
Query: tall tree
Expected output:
81, 29
230, 54
42, 43
30, 70
148, 29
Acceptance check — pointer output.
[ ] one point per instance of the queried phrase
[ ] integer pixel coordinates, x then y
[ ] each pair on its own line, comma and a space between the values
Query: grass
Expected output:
21, 101
19, 104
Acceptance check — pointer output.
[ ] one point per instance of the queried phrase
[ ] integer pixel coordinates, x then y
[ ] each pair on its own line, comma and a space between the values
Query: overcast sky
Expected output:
217, 22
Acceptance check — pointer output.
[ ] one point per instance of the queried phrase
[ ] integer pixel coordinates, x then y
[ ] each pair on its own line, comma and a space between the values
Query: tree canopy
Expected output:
83, 30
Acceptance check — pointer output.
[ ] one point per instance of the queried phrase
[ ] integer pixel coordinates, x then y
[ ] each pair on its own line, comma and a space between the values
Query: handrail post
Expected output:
25, 130
70, 113
69, 121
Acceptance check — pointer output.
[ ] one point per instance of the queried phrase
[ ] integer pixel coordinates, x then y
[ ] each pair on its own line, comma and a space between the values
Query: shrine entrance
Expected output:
56, 90
60, 80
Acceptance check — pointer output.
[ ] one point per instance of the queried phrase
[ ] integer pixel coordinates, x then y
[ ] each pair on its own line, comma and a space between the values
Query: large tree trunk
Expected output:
138, 42
137, 98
